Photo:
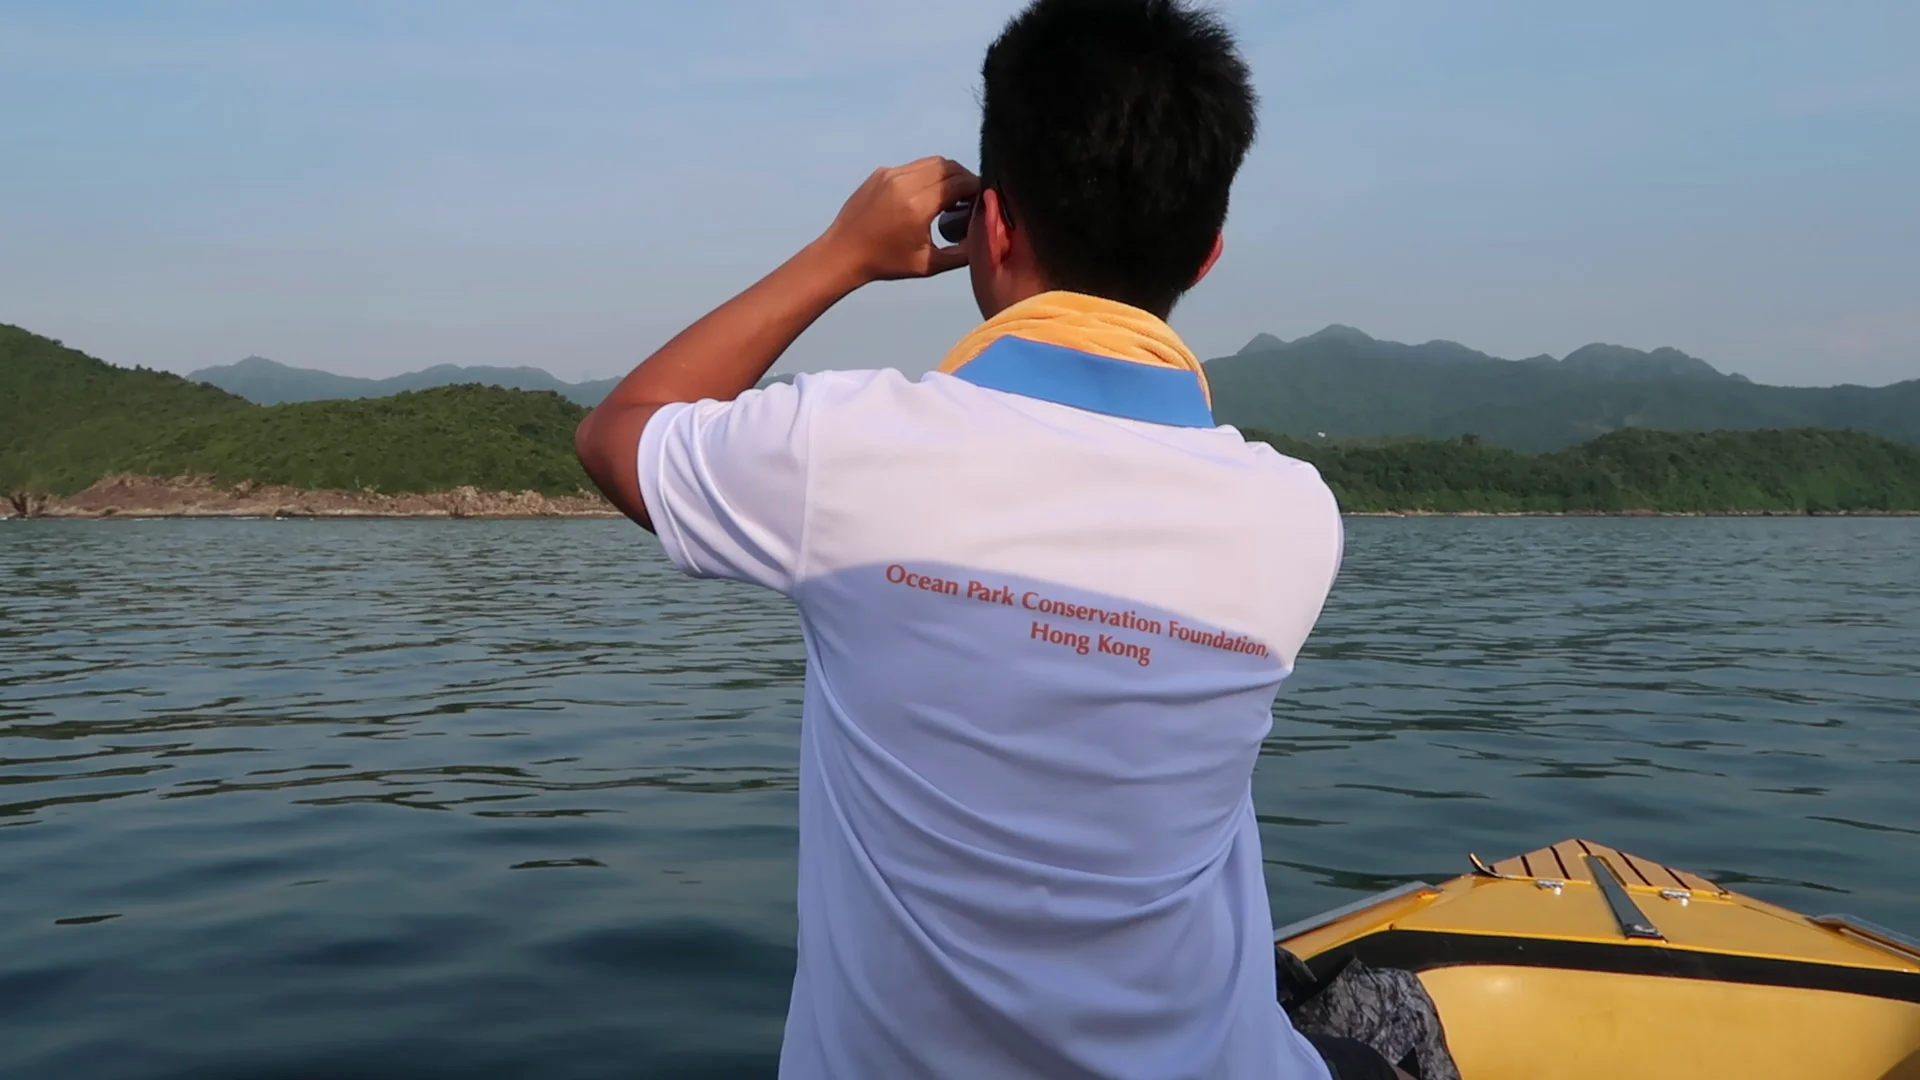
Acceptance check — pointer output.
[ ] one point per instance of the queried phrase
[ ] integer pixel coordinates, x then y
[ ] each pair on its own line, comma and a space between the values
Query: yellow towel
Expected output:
1087, 323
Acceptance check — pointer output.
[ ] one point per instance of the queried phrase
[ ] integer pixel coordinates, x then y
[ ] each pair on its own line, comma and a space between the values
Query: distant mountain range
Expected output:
1617, 361
1342, 384
265, 382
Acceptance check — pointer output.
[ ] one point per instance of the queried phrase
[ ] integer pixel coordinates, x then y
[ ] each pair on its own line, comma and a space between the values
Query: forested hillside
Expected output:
67, 419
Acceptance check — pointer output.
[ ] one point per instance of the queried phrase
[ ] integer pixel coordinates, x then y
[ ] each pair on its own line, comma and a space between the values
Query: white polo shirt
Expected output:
1045, 619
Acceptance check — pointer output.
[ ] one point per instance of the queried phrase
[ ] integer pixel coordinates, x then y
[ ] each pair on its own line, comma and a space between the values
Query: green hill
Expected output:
1346, 385
427, 440
67, 419
1804, 471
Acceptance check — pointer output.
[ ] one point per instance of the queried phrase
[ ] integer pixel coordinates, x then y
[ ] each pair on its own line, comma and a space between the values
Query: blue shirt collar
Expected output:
1101, 384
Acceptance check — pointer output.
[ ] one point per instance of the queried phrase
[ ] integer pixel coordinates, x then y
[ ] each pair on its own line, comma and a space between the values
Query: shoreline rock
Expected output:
144, 497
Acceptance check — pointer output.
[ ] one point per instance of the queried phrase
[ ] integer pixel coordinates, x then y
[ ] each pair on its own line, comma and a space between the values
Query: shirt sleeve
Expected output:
725, 485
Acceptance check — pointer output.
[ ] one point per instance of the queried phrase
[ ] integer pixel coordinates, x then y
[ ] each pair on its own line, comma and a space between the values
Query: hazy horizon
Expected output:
371, 189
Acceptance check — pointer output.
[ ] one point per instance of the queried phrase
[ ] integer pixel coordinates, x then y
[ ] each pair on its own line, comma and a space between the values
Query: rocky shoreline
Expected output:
140, 497
146, 497
1630, 513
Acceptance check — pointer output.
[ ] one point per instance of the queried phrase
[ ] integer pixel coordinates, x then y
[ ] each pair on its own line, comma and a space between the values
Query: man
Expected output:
1047, 603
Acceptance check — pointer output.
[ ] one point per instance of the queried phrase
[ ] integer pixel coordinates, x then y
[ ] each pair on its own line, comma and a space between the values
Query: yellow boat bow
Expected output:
1578, 961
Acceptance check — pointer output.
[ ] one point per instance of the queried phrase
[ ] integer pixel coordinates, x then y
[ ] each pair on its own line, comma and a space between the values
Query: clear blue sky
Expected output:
370, 187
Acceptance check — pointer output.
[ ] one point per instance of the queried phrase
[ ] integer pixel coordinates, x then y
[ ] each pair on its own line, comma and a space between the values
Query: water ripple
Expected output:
513, 799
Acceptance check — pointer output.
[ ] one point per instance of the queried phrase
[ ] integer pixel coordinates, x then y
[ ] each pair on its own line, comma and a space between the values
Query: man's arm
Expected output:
882, 233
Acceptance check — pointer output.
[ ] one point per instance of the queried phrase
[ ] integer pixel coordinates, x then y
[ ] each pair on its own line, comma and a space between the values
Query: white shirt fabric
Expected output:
1043, 644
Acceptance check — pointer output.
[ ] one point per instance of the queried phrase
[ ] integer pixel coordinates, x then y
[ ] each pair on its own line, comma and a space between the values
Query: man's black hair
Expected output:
1112, 130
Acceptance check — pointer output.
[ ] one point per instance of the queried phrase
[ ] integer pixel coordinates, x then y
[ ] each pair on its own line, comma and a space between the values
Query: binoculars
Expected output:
952, 222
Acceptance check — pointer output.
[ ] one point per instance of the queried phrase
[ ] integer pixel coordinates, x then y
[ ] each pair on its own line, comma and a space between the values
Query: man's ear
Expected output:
990, 220
1219, 245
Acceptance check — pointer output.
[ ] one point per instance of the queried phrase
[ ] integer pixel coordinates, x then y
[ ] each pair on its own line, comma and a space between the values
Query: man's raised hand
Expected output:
885, 228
